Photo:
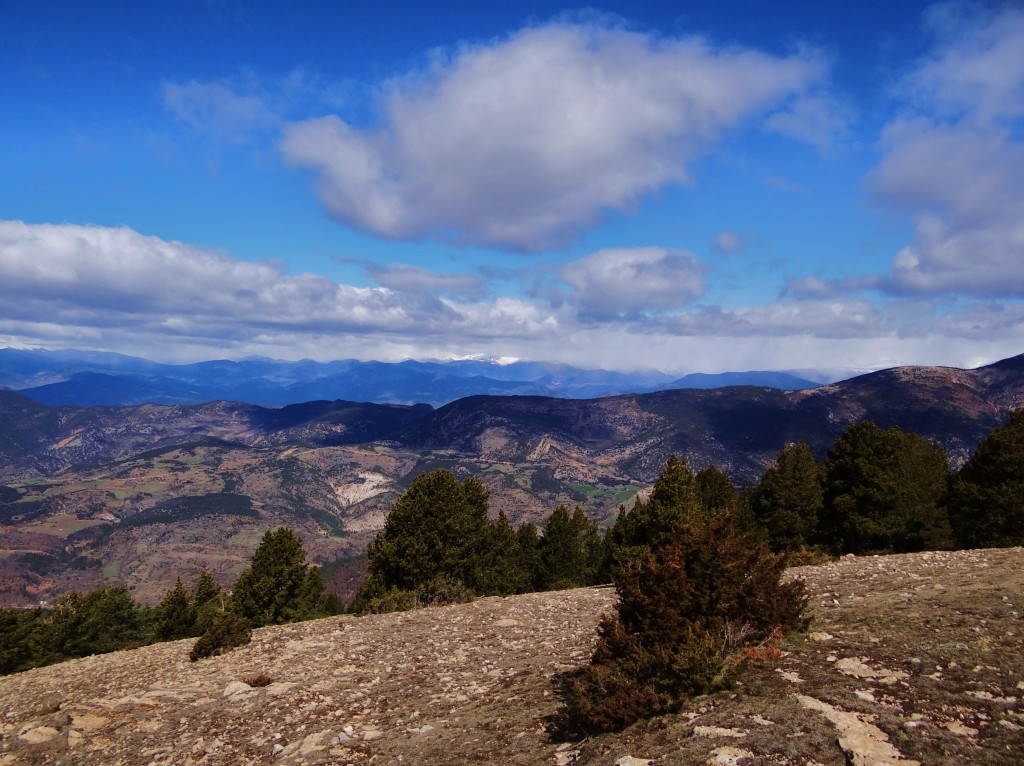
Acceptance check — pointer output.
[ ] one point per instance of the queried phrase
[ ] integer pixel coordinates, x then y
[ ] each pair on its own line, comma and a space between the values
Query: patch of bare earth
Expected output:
910, 658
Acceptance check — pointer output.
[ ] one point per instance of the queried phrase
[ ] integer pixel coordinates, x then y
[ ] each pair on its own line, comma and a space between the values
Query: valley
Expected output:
140, 495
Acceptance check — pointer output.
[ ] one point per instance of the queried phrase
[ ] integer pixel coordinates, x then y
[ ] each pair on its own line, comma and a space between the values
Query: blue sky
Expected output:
686, 187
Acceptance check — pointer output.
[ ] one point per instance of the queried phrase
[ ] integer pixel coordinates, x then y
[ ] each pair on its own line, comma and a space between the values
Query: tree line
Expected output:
875, 491
887, 491
277, 587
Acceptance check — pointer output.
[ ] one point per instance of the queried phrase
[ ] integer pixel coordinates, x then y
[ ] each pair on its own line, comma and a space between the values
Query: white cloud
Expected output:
816, 119
955, 163
812, 287
820, 318
524, 142
630, 282
976, 71
90, 276
115, 289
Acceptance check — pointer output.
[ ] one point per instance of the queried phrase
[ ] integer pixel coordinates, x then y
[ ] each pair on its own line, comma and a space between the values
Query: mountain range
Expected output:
139, 495
82, 378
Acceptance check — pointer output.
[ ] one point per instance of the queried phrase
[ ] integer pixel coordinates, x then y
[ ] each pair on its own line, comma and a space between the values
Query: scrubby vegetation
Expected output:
696, 596
229, 631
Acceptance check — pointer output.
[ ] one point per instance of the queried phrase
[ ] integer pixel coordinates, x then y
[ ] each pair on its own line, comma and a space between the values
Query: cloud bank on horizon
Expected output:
583, 189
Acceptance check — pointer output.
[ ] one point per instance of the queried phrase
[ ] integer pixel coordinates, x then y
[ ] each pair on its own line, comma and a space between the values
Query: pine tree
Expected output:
175, 615
716, 491
571, 550
103, 620
788, 500
276, 588
674, 500
528, 557
986, 500
883, 492
26, 640
504, 574
437, 530
208, 602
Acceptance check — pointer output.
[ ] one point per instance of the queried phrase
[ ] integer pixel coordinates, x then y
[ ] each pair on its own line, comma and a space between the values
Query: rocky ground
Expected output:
910, 659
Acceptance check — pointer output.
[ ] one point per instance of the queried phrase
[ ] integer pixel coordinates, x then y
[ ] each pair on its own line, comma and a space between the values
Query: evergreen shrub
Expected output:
691, 613
228, 632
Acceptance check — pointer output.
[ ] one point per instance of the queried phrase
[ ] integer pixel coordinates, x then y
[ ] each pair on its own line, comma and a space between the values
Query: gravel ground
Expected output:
915, 658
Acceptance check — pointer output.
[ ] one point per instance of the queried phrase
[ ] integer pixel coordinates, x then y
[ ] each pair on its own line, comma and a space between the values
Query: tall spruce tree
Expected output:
175, 614
208, 602
504, 574
528, 556
716, 491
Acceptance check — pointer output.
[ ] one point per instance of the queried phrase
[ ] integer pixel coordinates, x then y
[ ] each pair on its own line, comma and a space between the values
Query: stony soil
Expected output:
909, 659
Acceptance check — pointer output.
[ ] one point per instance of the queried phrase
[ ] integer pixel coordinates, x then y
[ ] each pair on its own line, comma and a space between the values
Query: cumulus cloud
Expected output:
819, 318
96, 277
819, 287
955, 161
816, 119
524, 142
975, 72
629, 282
116, 289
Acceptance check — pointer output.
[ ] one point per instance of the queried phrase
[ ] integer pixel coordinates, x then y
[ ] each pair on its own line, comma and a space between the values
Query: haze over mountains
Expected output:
82, 378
